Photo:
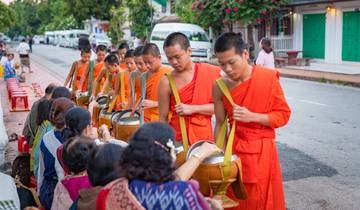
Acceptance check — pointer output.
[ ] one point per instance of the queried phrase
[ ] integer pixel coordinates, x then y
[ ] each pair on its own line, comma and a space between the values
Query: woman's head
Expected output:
266, 45
77, 122
58, 109
60, 92
43, 111
150, 154
103, 164
76, 153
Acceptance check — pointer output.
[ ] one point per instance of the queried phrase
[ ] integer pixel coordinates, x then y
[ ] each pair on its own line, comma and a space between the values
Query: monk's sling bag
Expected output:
181, 157
132, 88
143, 78
122, 92
227, 172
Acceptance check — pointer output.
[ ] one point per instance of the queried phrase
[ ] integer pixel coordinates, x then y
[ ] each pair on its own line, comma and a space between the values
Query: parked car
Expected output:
5, 39
39, 39
49, 37
199, 41
99, 39
74, 37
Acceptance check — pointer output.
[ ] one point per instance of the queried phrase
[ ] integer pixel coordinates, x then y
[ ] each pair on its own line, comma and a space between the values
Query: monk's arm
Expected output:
280, 114
97, 82
70, 74
219, 109
204, 109
164, 99
83, 77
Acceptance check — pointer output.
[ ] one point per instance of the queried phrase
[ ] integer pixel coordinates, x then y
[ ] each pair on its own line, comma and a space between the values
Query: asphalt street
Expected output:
319, 148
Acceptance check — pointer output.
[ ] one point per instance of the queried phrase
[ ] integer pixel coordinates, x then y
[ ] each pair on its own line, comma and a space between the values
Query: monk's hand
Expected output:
242, 114
183, 109
148, 103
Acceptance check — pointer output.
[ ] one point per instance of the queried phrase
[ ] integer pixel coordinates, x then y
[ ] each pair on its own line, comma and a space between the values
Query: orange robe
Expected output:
255, 143
78, 73
125, 96
152, 84
197, 92
96, 71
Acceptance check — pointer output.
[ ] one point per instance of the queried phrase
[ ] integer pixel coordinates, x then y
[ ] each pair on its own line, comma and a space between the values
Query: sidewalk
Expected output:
344, 74
13, 122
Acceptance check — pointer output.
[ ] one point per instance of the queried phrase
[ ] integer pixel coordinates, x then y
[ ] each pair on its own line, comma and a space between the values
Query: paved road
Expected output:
319, 148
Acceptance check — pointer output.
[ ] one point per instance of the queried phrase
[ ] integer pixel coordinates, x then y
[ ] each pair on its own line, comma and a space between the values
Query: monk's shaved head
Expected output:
230, 40
151, 49
138, 51
112, 59
177, 38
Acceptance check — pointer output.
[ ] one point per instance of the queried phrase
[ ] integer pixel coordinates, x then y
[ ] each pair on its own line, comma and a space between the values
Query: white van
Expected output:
199, 40
74, 37
49, 37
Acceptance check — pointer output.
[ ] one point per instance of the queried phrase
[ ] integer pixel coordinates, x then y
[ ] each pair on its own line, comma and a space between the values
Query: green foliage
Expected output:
183, 10
84, 9
140, 14
116, 22
217, 13
7, 17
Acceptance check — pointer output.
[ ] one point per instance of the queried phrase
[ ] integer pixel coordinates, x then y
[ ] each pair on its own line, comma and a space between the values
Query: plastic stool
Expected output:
21, 140
14, 99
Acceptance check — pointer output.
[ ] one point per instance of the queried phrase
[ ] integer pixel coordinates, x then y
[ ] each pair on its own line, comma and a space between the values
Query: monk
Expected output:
152, 59
77, 70
122, 49
132, 79
111, 73
194, 83
259, 107
101, 51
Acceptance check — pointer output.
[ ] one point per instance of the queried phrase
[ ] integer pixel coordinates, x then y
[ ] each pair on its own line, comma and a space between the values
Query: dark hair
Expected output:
101, 48
129, 54
177, 38
86, 49
76, 120
230, 40
76, 153
58, 110
43, 111
112, 59
50, 88
59, 92
23, 40
103, 164
138, 51
147, 157
151, 49
266, 45
123, 46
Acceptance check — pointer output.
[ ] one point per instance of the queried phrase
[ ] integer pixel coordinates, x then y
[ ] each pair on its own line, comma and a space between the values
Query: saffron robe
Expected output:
255, 143
96, 71
152, 84
197, 92
79, 71
123, 90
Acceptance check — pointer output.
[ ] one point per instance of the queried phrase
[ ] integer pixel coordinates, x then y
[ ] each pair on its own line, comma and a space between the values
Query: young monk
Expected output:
132, 78
113, 81
140, 65
152, 60
98, 66
77, 70
193, 82
122, 49
259, 107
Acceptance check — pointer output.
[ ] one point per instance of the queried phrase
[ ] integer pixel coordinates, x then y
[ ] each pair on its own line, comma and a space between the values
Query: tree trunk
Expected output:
250, 41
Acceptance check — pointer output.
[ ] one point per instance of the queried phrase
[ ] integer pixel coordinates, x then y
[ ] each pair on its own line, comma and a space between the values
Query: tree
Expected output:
116, 23
84, 9
183, 10
7, 17
140, 16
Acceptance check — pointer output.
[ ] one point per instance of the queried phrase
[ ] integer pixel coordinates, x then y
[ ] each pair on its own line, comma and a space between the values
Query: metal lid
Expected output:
129, 121
215, 159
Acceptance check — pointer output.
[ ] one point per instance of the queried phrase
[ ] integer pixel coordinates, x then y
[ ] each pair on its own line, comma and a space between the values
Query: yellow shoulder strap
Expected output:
122, 86
174, 90
221, 136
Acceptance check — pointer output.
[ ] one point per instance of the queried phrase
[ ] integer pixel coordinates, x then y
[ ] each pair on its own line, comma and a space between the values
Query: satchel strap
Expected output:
91, 73
221, 137
31, 189
175, 92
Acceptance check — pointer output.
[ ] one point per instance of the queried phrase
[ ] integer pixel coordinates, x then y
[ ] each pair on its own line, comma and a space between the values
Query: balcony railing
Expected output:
282, 43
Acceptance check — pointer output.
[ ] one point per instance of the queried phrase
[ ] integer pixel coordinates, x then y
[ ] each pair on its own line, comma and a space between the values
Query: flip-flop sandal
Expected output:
13, 137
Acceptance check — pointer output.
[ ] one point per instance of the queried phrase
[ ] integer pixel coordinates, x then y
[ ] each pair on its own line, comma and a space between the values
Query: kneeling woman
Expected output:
149, 177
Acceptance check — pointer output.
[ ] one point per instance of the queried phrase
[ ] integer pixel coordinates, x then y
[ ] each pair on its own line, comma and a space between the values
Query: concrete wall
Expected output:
333, 28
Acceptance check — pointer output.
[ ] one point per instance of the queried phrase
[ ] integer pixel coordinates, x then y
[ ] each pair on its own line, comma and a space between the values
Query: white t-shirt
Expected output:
8, 191
266, 59
23, 48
